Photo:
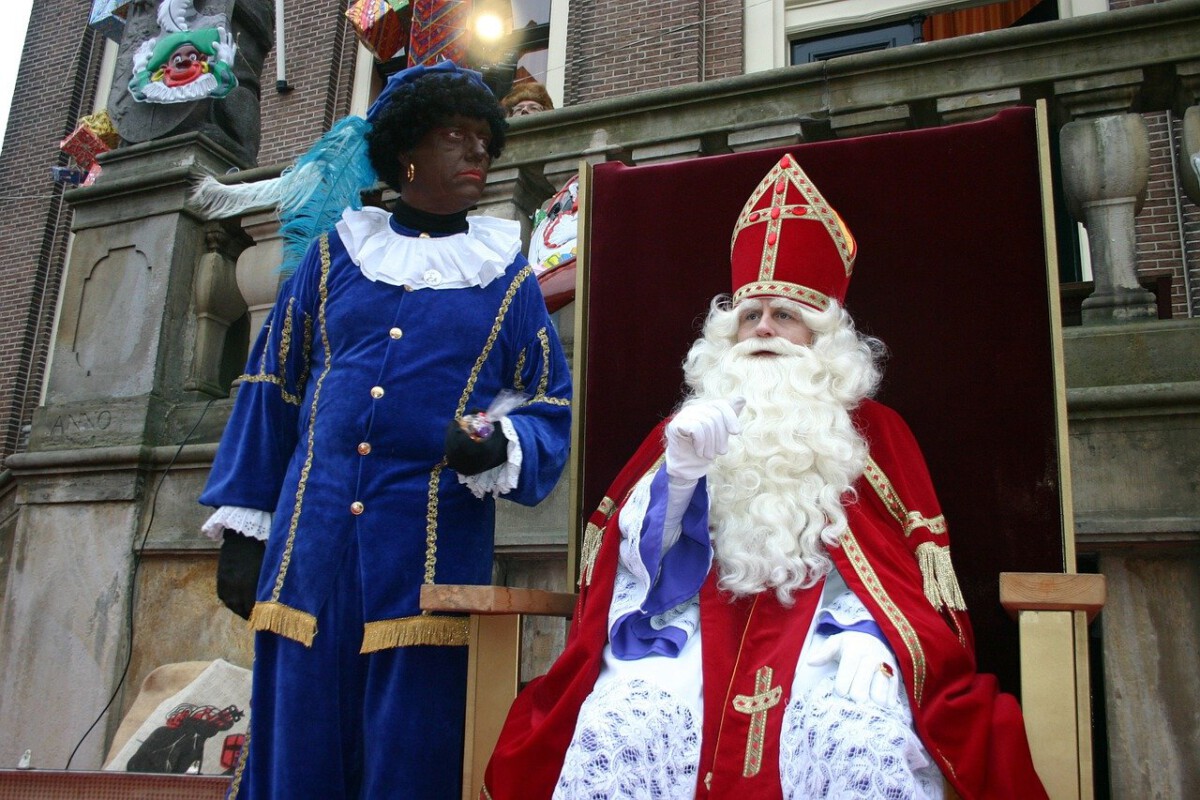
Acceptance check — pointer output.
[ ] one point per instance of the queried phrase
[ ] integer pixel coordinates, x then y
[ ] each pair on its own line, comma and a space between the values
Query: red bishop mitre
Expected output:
789, 242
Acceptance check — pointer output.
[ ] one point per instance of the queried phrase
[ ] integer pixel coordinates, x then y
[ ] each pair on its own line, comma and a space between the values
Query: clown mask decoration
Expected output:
183, 64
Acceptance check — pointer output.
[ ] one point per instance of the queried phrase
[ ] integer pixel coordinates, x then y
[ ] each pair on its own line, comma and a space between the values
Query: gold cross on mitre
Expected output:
757, 705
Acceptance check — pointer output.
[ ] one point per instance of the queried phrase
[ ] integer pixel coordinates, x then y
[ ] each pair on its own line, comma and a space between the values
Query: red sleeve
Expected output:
529, 754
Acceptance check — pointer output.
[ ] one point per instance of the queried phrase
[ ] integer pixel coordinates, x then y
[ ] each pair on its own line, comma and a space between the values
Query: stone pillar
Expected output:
126, 347
258, 274
218, 305
1105, 169
1105, 164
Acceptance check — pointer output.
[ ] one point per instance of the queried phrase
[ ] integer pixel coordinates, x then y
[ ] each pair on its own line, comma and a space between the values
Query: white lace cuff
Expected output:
845, 608
503, 478
247, 521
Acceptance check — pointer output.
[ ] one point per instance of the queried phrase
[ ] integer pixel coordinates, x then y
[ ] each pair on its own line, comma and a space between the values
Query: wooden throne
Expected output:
957, 274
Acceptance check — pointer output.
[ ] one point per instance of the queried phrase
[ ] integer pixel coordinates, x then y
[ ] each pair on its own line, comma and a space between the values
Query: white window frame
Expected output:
769, 25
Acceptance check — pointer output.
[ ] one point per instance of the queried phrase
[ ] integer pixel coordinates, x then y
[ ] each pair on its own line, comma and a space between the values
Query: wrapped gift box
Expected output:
101, 124
439, 31
382, 25
68, 176
92, 173
83, 145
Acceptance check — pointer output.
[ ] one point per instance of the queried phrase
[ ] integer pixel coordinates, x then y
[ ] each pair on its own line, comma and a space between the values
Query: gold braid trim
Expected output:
550, 401
914, 520
544, 379
909, 520
292, 623
874, 586
288, 397
385, 634
285, 338
294, 523
285, 345
941, 584
484, 794
431, 502
519, 384
492, 335
236, 784
431, 520
306, 354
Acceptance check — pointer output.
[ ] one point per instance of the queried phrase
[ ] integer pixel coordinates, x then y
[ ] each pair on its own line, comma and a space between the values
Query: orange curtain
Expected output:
975, 20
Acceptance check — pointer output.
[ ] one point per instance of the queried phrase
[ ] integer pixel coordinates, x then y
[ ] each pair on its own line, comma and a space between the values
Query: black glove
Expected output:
237, 572
466, 456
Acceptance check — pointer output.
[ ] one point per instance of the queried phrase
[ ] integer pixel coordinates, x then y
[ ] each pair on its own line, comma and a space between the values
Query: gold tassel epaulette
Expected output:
297, 625
592, 537
385, 634
941, 585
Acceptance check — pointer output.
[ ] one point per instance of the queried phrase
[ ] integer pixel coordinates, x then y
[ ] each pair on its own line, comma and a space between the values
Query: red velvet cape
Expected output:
974, 732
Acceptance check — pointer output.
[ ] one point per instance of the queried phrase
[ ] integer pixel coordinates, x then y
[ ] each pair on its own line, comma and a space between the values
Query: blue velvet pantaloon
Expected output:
329, 722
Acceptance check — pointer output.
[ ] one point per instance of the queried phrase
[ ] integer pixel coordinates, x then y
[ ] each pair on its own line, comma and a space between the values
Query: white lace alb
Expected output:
832, 747
633, 741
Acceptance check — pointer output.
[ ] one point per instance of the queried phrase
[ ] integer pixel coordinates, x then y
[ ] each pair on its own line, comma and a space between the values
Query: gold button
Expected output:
377, 392
395, 333
407, 288
364, 448
356, 508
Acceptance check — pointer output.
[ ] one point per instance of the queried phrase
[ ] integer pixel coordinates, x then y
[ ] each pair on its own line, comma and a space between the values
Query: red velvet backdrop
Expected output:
950, 274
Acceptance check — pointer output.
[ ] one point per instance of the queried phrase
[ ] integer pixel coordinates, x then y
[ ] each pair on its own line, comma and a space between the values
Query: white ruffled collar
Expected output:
474, 258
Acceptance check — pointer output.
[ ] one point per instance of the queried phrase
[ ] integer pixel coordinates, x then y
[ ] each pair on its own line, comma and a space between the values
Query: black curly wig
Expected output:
423, 105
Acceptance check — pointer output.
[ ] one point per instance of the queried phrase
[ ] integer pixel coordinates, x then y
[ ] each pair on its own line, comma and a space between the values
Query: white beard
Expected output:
777, 495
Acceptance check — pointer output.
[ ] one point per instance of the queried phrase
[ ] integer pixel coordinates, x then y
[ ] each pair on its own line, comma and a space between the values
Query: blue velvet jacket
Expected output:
338, 429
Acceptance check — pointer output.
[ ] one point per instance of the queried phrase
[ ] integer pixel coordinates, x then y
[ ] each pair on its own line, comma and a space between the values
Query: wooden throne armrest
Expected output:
493, 600
1052, 612
493, 657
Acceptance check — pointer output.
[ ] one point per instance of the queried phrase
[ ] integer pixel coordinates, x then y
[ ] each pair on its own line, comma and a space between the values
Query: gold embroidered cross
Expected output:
757, 705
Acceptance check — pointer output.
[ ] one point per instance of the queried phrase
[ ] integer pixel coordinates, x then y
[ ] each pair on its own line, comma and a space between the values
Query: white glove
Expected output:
699, 433
679, 495
867, 669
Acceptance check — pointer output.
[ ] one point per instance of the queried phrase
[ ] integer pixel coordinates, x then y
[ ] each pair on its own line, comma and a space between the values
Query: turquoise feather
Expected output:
327, 179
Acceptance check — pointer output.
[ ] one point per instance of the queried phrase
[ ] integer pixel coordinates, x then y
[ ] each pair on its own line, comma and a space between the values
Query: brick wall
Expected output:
723, 37
55, 86
1159, 245
619, 48
320, 48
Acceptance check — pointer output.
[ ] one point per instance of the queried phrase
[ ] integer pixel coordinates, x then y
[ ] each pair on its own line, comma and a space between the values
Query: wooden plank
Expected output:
1048, 699
1052, 591
43, 784
496, 600
493, 672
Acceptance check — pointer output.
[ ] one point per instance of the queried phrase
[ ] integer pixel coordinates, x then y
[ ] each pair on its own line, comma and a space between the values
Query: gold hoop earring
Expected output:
411, 173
